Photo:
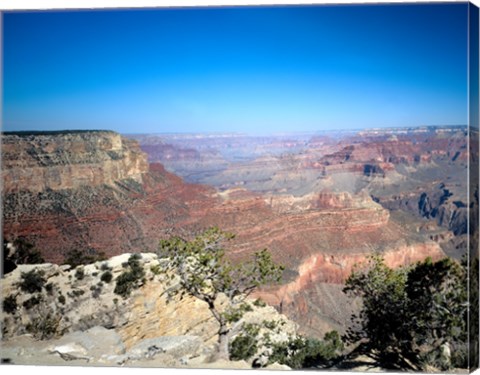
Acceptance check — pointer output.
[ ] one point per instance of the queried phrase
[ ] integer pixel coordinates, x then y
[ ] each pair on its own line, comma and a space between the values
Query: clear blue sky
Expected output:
257, 69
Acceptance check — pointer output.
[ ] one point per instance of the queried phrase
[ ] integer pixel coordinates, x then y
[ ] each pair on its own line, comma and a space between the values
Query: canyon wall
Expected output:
90, 191
57, 161
95, 192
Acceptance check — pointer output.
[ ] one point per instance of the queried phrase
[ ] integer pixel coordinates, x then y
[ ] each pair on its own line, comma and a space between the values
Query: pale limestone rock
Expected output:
176, 346
148, 314
93, 343
278, 367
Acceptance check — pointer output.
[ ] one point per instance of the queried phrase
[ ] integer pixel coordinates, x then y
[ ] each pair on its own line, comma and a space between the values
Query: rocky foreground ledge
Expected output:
58, 315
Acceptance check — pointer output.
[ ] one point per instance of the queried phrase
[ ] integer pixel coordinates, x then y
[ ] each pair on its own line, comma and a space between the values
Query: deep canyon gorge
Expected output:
320, 203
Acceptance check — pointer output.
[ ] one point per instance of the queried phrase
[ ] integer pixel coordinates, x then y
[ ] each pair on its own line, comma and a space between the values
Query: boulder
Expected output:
94, 343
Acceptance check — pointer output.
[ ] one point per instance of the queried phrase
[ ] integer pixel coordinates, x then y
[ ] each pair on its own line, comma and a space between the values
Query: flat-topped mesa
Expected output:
322, 201
40, 161
344, 200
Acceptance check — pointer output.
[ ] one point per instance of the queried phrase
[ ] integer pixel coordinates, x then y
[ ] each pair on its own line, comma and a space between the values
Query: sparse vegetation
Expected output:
296, 352
76, 293
105, 267
131, 278
49, 288
96, 290
301, 352
234, 314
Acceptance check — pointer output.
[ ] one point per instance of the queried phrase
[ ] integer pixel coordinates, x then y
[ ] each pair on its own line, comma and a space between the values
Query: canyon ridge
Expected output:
320, 203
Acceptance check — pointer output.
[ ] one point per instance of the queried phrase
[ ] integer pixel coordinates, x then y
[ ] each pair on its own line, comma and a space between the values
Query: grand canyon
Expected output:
320, 203
239, 186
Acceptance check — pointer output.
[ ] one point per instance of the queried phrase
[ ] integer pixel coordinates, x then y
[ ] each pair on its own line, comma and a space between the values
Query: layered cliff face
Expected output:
58, 161
299, 164
88, 191
94, 192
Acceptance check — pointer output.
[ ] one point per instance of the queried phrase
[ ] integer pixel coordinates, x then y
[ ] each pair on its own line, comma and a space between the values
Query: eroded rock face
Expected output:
315, 299
58, 161
117, 214
80, 317
318, 236
88, 191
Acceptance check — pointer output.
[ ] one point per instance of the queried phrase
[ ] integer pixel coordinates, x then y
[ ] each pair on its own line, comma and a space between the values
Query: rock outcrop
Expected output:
88, 191
78, 317
36, 162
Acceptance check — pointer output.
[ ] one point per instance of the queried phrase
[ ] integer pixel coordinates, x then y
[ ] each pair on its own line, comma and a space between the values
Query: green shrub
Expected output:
61, 299
131, 278
32, 281
45, 326
235, 314
19, 251
77, 258
270, 324
422, 306
76, 293
244, 346
32, 301
106, 277
105, 267
156, 269
49, 288
80, 273
259, 303
10, 304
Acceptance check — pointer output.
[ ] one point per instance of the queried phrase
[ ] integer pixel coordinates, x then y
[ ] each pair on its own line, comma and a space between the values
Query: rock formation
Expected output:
94, 192
88, 191
36, 162
79, 317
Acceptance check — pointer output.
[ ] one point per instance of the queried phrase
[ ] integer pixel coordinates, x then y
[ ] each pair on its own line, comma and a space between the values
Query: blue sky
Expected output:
257, 69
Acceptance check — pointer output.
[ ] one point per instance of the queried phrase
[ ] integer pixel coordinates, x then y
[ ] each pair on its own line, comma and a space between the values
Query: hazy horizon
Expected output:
265, 69
240, 133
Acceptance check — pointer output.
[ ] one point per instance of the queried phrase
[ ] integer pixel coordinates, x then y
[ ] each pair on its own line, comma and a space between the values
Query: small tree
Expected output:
205, 273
